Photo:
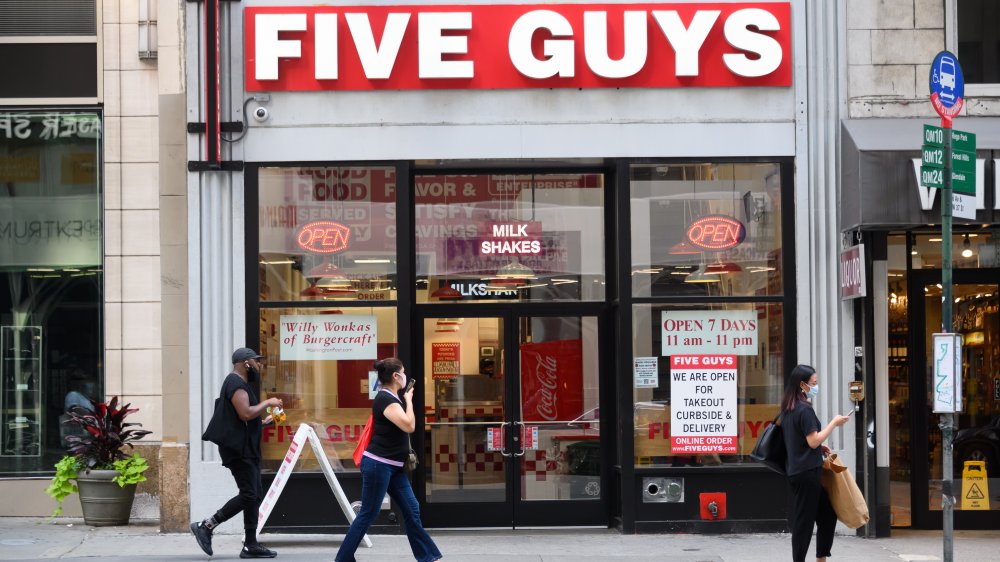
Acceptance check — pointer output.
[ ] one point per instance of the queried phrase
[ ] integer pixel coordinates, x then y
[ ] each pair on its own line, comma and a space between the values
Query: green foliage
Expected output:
106, 435
130, 470
99, 448
62, 484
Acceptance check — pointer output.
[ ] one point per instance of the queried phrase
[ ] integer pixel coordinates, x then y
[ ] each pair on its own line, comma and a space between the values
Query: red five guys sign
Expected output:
655, 45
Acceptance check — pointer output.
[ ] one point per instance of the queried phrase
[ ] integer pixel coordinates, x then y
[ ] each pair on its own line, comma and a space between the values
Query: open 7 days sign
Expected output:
552, 45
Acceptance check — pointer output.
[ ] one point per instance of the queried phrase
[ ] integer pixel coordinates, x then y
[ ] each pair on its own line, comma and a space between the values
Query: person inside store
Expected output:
804, 437
383, 462
244, 420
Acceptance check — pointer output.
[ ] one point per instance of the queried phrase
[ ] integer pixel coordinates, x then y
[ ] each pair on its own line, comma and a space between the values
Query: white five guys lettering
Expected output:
443, 43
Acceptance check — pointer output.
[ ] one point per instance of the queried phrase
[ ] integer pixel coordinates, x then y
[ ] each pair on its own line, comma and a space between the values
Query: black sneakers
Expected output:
203, 535
257, 550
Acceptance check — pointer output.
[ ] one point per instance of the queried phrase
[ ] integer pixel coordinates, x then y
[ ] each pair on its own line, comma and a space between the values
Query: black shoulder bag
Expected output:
225, 429
770, 448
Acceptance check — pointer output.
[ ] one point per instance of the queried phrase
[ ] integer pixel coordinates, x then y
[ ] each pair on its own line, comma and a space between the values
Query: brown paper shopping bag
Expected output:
846, 497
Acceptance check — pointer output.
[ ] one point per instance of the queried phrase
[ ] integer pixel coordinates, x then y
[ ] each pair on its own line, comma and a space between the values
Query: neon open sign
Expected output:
324, 237
716, 232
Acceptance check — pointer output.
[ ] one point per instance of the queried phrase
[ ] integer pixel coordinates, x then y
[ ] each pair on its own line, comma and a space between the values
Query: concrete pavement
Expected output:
71, 540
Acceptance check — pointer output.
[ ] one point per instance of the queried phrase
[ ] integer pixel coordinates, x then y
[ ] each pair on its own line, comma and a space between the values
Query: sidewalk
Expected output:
41, 539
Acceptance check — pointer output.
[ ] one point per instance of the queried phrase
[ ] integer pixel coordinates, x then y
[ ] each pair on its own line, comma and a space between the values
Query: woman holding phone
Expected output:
804, 437
382, 465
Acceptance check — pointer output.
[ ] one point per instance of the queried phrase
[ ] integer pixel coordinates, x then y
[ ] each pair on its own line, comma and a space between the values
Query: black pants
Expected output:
810, 506
246, 472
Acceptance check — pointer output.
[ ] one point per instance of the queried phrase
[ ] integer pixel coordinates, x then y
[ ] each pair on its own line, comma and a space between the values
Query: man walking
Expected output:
240, 421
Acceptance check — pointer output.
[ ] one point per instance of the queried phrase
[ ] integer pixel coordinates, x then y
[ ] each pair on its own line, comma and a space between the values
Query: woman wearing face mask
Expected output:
804, 437
382, 466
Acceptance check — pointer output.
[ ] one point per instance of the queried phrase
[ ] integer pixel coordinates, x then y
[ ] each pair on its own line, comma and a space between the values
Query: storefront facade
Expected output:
557, 235
897, 221
51, 239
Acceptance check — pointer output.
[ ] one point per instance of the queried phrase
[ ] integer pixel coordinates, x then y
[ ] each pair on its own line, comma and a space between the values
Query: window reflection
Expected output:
759, 381
322, 382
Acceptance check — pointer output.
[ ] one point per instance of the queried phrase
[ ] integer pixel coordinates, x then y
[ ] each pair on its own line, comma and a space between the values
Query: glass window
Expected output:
706, 229
510, 237
979, 40
319, 362
736, 399
51, 281
968, 251
327, 233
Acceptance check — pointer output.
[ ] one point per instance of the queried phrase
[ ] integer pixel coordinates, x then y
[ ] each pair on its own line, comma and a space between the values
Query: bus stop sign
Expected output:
947, 86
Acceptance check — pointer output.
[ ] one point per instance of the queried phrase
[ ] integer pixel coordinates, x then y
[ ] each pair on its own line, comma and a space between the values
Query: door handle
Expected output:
517, 438
503, 440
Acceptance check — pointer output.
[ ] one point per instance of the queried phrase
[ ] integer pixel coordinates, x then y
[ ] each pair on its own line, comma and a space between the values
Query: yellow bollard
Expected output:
975, 493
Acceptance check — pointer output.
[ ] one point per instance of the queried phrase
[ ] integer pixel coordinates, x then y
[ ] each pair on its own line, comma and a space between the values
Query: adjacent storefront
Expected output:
897, 221
566, 223
51, 281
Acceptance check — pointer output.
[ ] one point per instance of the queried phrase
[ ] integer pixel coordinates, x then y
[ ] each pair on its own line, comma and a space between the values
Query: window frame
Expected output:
787, 298
951, 43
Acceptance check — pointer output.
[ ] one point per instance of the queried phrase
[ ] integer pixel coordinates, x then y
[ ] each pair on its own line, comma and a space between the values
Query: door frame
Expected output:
514, 512
923, 516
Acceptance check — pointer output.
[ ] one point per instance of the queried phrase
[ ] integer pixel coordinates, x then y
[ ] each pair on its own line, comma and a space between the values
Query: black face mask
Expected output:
253, 375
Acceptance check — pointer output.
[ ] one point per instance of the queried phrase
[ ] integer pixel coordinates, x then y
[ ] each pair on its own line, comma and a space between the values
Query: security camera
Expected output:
260, 114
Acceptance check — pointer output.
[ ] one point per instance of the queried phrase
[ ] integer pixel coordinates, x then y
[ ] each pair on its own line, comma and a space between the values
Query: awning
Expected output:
879, 181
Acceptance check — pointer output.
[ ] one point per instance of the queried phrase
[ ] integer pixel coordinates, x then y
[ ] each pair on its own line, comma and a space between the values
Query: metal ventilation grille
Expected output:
48, 17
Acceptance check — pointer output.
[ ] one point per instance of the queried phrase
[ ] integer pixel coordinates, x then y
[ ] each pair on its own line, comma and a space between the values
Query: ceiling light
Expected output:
446, 293
372, 260
720, 268
515, 270
699, 276
967, 247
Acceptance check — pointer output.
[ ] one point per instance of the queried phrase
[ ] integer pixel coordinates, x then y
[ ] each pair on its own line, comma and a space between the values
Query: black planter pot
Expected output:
103, 501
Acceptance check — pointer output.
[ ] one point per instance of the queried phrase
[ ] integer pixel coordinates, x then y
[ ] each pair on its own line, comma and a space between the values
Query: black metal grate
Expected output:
47, 17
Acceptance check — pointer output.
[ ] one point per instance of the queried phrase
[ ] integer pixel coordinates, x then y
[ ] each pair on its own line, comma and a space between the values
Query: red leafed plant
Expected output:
107, 434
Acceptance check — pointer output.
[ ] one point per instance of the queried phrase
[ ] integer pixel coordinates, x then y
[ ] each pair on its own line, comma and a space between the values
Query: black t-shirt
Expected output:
388, 441
795, 425
251, 447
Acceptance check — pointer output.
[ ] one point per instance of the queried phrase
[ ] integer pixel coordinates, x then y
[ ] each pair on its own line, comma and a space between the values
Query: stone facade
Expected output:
890, 45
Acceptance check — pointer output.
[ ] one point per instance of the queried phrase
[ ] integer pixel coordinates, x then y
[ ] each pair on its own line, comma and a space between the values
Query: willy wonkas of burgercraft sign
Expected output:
652, 45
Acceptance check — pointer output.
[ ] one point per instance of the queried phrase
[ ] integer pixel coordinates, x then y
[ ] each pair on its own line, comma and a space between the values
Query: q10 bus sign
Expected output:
642, 45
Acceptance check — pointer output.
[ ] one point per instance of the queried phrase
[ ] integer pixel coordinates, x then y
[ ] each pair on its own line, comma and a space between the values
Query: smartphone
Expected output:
409, 384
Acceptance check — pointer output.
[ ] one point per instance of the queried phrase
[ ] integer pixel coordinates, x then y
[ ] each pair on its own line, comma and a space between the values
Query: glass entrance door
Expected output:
512, 432
976, 300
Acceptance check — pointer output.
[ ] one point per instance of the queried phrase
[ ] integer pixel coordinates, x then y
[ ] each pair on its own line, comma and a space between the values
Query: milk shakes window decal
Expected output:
503, 237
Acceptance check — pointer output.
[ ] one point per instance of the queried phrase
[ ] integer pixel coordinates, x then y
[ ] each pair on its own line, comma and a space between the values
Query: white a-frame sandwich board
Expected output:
302, 434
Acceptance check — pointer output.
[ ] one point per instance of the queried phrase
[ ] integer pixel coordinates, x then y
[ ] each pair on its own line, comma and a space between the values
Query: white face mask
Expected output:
403, 376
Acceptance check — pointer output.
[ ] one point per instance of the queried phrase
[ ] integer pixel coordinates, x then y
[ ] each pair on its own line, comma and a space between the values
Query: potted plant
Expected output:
105, 475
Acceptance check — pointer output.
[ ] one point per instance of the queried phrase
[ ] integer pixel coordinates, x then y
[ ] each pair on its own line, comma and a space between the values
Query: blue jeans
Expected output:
377, 479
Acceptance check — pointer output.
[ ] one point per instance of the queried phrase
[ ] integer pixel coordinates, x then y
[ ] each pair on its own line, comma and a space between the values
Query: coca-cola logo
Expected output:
546, 373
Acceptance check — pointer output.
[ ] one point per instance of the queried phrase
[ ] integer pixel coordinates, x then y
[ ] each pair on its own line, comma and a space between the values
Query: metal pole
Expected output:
947, 424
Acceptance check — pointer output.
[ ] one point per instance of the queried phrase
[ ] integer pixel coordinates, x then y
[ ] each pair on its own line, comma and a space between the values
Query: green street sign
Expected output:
963, 182
931, 177
960, 140
933, 156
963, 161
933, 136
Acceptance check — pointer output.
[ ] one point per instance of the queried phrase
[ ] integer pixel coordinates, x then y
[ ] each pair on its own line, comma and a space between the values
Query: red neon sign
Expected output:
716, 232
324, 237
